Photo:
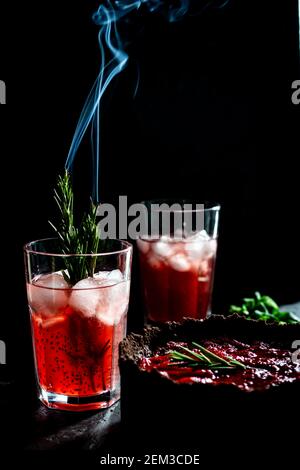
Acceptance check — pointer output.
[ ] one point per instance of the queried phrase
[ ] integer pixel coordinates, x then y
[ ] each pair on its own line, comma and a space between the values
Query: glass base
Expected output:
71, 403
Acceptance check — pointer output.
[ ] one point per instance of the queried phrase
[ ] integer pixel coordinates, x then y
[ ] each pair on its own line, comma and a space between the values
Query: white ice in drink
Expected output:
179, 262
162, 248
49, 293
143, 246
181, 254
104, 296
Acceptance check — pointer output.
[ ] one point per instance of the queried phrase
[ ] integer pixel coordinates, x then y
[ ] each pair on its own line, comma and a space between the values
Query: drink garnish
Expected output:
84, 239
202, 358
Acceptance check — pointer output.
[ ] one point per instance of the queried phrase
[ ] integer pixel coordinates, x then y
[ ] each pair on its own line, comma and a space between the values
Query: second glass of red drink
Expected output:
177, 265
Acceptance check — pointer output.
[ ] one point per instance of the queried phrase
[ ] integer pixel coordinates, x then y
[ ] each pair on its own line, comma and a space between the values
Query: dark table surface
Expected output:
88, 431
27, 425
37, 428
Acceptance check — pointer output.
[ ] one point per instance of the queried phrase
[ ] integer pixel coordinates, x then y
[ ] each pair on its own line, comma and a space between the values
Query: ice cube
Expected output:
210, 248
163, 249
115, 276
109, 278
106, 298
179, 262
202, 235
154, 262
85, 296
204, 268
113, 302
194, 249
198, 248
48, 294
101, 275
143, 246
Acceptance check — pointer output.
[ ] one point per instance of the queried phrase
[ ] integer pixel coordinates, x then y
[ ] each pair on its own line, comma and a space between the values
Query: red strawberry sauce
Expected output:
267, 365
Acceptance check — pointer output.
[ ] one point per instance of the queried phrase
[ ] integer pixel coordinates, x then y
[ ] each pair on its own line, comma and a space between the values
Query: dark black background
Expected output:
212, 119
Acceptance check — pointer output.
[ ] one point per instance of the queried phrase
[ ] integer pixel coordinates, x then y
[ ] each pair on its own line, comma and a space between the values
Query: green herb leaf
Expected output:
205, 359
73, 240
211, 354
263, 307
200, 357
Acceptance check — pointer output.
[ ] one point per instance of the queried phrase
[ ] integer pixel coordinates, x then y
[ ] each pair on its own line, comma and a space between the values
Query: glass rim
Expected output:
175, 240
213, 206
27, 249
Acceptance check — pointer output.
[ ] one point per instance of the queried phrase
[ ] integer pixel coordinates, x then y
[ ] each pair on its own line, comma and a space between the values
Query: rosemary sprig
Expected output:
210, 354
90, 238
195, 355
204, 359
74, 240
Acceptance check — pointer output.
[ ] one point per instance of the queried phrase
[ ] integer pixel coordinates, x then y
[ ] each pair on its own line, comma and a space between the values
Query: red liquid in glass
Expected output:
177, 278
77, 355
74, 354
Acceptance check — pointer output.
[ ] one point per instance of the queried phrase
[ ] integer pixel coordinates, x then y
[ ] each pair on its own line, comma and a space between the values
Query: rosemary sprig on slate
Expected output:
203, 358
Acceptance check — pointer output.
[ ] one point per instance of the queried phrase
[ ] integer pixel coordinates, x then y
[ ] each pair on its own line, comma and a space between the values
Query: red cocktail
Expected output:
177, 277
177, 259
76, 334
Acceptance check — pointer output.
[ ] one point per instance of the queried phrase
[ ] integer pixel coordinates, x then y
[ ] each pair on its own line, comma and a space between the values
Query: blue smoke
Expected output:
113, 61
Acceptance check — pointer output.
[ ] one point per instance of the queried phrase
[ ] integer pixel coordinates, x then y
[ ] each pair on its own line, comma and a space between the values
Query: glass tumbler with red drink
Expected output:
177, 265
76, 329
